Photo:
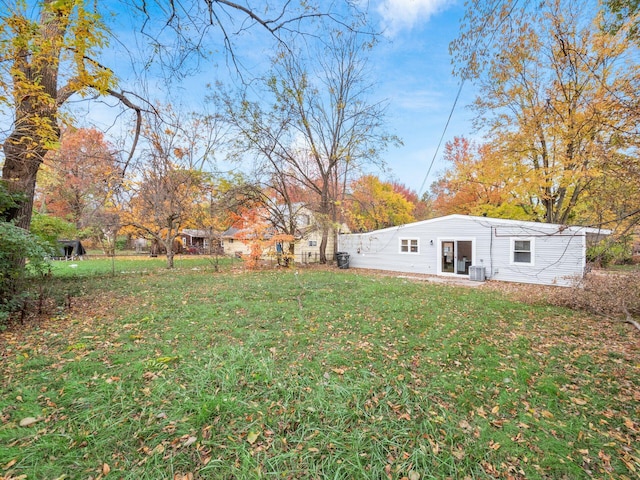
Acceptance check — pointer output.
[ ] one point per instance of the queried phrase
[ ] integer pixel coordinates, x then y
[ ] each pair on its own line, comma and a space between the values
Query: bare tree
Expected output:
321, 127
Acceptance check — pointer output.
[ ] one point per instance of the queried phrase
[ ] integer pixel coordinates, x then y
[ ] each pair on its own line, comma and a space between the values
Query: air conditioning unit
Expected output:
477, 274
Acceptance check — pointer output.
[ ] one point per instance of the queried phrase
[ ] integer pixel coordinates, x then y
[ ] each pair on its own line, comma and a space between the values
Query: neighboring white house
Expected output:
475, 247
236, 242
308, 237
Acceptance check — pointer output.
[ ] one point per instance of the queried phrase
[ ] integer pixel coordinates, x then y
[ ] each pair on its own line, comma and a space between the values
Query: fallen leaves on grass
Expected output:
28, 421
252, 437
479, 385
183, 476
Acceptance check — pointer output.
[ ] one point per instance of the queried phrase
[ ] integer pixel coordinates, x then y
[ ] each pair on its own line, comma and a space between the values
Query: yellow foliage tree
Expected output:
558, 98
374, 204
48, 54
480, 182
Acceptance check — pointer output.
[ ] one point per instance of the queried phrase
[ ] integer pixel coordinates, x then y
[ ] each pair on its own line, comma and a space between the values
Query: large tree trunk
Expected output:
35, 89
169, 245
21, 165
323, 244
290, 259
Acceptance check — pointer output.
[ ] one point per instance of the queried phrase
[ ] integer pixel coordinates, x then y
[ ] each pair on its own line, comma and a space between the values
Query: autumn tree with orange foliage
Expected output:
168, 192
253, 229
162, 203
79, 180
558, 99
422, 208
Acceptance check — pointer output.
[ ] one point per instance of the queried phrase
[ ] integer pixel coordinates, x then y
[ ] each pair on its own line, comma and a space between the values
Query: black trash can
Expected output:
343, 259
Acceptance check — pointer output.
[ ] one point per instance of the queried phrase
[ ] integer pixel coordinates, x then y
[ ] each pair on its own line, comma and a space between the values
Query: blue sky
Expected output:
412, 71
415, 76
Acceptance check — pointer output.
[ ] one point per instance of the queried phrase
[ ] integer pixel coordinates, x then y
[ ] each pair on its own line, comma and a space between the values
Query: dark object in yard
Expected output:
343, 259
70, 249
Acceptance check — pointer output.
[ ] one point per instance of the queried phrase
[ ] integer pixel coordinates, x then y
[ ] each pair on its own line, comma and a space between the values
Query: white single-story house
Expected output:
478, 248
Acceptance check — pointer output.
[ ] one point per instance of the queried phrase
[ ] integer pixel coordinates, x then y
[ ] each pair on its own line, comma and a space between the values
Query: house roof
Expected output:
230, 232
548, 228
245, 234
191, 232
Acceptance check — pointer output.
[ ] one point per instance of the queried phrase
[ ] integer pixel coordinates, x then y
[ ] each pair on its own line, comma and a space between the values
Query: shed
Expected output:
477, 248
70, 249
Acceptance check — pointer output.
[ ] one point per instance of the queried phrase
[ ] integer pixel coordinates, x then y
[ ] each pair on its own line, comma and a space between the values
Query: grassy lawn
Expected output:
118, 265
193, 373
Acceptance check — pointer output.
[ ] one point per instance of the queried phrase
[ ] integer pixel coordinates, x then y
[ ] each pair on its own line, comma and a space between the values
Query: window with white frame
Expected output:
522, 251
409, 245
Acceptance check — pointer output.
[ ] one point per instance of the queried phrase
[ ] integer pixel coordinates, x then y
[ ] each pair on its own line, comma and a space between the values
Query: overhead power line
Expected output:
435, 154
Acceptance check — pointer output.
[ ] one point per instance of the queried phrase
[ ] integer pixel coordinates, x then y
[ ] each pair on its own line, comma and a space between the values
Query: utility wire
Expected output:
491, 37
435, 154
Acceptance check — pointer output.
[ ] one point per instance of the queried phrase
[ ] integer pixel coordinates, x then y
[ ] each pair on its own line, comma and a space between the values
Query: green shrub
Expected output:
122, 243
610, 252
51, 229
23, 259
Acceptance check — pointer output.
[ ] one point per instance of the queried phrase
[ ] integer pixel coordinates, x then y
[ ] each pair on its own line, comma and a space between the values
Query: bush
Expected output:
22, 260
608, 252
51, 229
122, 242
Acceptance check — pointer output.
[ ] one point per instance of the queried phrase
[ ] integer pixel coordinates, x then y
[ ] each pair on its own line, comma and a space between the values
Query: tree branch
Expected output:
128, 103
629, 318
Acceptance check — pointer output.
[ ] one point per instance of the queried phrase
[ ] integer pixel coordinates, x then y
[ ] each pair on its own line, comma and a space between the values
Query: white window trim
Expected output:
409, 252
512, 252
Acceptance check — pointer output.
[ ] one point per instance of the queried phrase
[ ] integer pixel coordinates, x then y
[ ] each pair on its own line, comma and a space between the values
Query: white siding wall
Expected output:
235, 246
558, 257
311, 253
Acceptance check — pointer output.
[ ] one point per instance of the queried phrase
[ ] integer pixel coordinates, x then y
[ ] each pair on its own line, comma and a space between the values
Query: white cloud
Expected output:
405, 14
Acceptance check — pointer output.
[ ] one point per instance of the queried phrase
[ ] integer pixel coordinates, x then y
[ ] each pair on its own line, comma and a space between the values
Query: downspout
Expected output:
491, 252
584, 255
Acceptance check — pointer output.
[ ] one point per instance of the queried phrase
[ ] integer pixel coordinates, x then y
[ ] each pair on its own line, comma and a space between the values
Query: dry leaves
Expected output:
28, 421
